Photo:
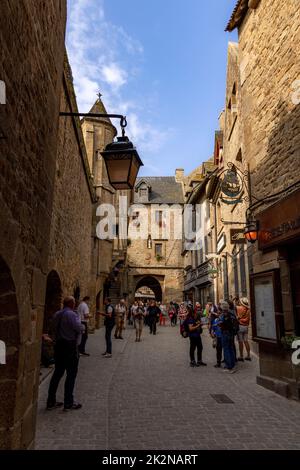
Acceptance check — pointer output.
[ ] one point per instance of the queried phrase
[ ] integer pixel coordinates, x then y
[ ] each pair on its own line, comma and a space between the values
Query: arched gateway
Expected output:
152, 283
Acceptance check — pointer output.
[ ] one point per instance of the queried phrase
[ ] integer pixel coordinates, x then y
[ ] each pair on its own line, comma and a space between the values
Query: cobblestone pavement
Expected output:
147, 397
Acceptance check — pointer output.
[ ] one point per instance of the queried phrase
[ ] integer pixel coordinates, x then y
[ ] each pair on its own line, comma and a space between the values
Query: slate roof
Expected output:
164, 190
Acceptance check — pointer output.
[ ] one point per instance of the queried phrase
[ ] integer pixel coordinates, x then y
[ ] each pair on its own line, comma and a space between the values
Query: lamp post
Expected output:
121, 157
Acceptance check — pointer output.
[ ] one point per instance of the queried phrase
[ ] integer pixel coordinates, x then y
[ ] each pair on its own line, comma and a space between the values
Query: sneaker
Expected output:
121, 337
217, 365
248, 359
193, 364
75, 406
232, 371
84, 354
104, 354
240, 359
58, 404
201, 363
107, 355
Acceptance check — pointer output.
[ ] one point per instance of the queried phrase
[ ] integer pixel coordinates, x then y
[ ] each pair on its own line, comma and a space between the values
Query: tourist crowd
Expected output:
225, 322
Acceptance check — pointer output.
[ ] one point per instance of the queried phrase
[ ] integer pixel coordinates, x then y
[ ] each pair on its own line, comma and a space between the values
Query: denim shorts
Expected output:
243, 333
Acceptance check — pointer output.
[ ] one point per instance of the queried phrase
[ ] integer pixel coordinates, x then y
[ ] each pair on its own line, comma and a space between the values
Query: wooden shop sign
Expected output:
280, 223
237, 236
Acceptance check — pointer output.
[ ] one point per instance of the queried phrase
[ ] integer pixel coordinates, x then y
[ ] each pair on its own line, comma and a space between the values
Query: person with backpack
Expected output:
227, 322
216, 334
192, 325
109, 324
121, 311
153, 313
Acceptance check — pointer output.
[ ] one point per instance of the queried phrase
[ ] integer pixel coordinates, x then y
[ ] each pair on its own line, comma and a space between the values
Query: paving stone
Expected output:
147, 397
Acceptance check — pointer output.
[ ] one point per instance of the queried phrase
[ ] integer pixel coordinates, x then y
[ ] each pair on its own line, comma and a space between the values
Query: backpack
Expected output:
231, 324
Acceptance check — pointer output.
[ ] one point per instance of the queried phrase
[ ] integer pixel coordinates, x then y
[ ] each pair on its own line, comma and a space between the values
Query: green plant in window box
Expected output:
288, 340
159, 257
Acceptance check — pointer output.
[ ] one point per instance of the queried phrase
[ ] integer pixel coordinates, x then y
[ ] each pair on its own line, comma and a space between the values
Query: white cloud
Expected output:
114, 75
97, 51
105, 58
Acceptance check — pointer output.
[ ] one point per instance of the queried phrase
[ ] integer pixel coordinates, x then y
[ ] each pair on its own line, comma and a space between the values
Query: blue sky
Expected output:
160, 62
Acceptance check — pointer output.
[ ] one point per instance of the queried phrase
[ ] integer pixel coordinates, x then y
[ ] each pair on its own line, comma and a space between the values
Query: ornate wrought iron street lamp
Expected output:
122, 161
121, 157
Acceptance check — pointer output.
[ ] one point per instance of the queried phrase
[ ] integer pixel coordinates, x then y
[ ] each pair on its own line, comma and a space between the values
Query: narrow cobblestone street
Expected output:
147, 397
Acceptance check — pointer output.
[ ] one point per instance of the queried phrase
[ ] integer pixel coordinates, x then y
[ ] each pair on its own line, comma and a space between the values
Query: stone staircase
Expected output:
115, 292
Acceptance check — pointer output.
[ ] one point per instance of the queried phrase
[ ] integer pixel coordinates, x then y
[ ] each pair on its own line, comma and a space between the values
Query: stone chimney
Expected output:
179, 175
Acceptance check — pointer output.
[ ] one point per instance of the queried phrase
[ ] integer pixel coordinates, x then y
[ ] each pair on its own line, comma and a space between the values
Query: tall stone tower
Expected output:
97, 133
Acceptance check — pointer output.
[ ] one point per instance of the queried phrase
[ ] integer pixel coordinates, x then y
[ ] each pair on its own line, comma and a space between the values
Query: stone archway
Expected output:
152, 283
53, 299
9, 373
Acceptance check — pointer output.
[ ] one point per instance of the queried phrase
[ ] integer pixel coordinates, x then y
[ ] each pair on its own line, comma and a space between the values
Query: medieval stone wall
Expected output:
71, 241
141, 260
31, 65
230, 124
269, 50
269, 61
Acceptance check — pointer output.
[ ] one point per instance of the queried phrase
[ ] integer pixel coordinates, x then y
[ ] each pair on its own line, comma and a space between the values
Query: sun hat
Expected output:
244, 302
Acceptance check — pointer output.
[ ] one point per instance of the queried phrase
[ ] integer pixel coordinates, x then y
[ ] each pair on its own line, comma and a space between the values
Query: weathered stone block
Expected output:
38, 287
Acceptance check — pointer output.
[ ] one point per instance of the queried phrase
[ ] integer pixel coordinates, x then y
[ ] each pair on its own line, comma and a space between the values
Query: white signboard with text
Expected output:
264, 307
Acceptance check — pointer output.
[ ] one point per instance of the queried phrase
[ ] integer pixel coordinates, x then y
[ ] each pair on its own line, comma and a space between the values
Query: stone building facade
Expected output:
228, 215
97, 133
31, 65
154, 252
270, 114
199, 284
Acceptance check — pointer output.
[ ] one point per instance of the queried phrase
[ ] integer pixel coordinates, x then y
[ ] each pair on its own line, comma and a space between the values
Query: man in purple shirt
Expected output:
67, 328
